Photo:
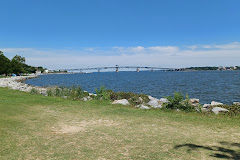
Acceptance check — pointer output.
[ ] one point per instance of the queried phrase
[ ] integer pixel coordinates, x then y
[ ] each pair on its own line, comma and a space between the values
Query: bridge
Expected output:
117, 68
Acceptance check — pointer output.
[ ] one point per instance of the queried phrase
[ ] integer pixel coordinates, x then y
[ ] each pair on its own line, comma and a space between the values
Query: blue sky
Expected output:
168, 33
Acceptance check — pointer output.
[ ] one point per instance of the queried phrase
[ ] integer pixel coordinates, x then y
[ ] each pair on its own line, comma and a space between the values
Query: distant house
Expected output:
38, 72
45, 71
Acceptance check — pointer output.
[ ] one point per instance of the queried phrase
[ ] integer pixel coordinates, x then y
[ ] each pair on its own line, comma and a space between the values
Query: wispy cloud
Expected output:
164, 56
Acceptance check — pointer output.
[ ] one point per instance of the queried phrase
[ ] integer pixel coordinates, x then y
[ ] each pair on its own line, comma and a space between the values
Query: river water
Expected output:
222, 86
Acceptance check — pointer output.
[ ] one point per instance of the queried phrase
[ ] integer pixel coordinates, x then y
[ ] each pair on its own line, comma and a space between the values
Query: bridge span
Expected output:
117, 68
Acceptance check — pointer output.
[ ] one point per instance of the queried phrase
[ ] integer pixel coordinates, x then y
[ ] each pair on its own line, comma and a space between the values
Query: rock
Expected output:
216, 110
164, 100
154, 103
206, 105
122, 101
213, 103
137, 106
157, 106
236, 103
206, 108
150, 97
91, 94
85, 99
194, 102
140, 99
89, 98
144, 107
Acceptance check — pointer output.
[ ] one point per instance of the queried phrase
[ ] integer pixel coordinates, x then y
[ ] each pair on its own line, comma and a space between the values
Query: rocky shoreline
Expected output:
17, 83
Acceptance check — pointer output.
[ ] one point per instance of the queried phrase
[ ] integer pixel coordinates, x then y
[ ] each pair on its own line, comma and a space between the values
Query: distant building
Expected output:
38, 72
45, 71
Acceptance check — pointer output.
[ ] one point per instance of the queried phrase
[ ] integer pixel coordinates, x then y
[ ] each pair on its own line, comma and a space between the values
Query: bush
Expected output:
133, 98
69, 92
177, 102
34, 91
102, 94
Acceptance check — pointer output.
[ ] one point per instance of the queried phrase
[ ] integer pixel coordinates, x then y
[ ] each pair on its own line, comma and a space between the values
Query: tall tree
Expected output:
20, 59
5, 67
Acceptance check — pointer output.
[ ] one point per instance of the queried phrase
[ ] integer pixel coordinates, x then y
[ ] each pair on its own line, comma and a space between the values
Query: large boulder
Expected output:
122, 101
194, 102
213, 103
155, 103
164, 100
206, 108
216, 110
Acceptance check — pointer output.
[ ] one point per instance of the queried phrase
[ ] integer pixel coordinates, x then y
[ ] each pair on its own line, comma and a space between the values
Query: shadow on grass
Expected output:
224, 151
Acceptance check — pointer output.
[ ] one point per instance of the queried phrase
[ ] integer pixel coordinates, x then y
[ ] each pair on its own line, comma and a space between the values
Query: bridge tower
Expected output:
117, 69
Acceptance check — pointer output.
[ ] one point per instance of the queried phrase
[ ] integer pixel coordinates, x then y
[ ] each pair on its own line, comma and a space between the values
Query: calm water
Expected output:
223, 86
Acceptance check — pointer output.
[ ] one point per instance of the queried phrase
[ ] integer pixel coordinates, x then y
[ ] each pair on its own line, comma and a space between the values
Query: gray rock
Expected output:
144, 107
155, 103
236, 103
213, 103
206, 108
164, 100
216, 110
194, 100
122, 101
85, 99
206, 105
89, 98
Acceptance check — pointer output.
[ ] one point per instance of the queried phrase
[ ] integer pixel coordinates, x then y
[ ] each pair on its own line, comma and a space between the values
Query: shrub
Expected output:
34, 91
135, 100
177, 102
50, 92
69, 92
102, 94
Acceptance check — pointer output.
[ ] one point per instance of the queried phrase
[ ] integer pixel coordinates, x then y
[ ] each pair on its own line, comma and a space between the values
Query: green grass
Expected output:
39, 127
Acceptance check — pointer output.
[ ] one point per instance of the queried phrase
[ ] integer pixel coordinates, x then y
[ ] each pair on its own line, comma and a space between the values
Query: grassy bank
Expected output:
39, 127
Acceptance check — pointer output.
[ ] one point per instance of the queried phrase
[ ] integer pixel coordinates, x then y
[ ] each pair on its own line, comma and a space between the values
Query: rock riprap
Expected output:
16, 83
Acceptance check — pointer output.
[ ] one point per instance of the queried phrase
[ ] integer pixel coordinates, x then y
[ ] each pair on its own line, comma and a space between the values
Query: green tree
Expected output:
19, 59
17, 64
4, 64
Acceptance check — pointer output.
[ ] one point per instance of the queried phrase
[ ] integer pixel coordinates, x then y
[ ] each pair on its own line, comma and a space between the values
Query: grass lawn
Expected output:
39, 127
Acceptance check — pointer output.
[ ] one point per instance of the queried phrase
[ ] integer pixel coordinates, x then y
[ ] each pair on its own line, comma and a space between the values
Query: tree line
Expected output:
16, 65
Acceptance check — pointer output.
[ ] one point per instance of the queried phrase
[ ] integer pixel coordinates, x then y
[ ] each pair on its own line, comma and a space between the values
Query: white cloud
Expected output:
164, 56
